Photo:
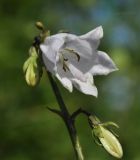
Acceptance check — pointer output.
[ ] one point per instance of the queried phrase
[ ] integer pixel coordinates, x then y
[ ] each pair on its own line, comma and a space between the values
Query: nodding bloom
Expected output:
105, 137
74, 60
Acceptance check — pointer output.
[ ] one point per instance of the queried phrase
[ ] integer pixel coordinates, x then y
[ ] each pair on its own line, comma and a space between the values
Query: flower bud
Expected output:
32, 69
32, 76
106, 138
39, 25
110, 143
33, 52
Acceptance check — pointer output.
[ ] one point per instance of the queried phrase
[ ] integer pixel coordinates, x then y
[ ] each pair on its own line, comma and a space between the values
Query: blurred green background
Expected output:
28, 131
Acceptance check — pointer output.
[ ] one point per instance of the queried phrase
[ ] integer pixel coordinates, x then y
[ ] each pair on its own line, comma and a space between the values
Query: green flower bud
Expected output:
110, 143
44, 32
33, 52
32, 68
39, 25
105, 137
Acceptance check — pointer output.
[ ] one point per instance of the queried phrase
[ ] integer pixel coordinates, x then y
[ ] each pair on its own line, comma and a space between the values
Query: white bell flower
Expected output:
74, 60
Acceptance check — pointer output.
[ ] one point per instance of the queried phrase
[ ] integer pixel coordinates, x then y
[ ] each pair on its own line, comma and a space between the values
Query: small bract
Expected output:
74, 60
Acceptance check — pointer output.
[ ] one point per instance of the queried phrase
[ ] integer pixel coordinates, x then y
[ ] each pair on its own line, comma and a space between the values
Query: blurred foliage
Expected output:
28, 131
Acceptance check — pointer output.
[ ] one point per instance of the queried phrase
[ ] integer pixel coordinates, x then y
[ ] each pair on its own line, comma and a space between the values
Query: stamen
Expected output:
65, 59
74, 52
64, 62
65, 66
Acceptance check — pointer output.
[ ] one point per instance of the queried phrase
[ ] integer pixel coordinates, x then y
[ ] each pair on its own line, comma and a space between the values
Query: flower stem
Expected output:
68, 120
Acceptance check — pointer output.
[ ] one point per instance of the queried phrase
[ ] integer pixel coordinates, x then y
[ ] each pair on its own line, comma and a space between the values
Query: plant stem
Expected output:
79, 111
68, 120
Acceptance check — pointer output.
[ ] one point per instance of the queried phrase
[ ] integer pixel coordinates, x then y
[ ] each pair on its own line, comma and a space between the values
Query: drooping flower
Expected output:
74, 60
105, 137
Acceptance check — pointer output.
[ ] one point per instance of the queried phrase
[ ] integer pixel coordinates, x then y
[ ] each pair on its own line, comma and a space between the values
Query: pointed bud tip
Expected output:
39, 25
33, 51
32, 71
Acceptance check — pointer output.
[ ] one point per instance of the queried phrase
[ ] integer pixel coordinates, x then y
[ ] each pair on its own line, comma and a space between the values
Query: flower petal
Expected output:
50, 49
49, 65
65, 82
103, 64
86, 44
55, 41
96, 33
77, 73
51, 46
93, 37
48, 52
81, 46
85, 88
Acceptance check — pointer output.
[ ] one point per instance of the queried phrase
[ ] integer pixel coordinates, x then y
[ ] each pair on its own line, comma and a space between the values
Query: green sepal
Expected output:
96, 139
106, 124
93, 121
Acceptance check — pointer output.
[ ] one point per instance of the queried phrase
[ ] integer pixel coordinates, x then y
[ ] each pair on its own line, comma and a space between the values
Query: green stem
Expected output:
68, 120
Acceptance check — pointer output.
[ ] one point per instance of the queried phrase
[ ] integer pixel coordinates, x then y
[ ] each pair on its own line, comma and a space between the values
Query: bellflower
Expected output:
74, 60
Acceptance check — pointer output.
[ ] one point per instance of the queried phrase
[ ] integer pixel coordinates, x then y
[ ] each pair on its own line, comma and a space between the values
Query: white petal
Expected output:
81, 46
55, 41
85, 88
90, 78
48, 52
62, 73
103, 64
77, 73
50, 66
51, 46
96, 33
111, 143
84, 45
65, 82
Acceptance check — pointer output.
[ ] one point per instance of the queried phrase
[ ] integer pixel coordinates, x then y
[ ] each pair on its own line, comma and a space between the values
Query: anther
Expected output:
74, 52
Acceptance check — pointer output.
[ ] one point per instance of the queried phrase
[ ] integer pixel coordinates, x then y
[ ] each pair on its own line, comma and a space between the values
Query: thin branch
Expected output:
58, 95
55, 111
79, 111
